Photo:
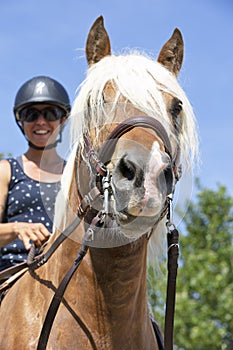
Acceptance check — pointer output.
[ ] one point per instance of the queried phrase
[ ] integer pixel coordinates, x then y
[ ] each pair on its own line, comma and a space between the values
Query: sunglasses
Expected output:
51, 114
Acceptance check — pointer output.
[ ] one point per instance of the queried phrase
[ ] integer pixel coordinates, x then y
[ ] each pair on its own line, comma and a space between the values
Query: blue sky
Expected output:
48, 37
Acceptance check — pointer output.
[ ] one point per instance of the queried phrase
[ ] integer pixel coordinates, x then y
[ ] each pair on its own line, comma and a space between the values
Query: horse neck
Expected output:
120, 273
113, 288
108, 291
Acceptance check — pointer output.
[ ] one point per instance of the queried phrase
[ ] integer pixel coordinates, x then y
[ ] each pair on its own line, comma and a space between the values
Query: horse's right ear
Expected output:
171, 55
98, 42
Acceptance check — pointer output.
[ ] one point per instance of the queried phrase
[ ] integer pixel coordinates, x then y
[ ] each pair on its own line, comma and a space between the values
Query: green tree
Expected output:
2, 155
204, 299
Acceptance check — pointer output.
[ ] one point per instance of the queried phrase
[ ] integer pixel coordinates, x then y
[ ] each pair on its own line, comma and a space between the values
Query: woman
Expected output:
29, 183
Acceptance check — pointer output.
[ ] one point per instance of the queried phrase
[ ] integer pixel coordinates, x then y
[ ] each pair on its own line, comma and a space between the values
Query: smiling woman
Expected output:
29, 183
41, 124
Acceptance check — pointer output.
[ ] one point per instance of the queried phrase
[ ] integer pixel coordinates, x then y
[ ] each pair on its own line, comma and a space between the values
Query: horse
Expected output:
132, 127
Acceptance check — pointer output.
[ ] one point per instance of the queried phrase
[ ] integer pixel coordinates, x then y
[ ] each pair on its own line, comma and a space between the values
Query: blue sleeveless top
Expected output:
28, 201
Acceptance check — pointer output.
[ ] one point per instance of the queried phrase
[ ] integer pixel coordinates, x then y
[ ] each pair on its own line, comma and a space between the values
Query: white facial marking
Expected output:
153, 194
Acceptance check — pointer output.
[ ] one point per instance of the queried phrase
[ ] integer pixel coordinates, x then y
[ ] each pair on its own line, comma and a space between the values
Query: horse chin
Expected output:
135, 226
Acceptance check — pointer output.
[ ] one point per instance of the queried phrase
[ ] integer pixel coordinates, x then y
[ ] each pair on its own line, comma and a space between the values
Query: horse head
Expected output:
141, 124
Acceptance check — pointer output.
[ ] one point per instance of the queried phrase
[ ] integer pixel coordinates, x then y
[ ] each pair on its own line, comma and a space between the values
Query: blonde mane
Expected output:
142, 82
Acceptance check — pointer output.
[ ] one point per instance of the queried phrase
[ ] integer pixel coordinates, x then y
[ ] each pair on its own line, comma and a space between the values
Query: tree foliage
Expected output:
2, 155
204, 299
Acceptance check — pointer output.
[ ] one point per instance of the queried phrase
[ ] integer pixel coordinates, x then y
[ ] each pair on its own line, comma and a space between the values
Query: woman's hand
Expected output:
35, 232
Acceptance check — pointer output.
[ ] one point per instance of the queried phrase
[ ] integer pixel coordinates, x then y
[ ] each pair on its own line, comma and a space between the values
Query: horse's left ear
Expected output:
171, 55
98, 42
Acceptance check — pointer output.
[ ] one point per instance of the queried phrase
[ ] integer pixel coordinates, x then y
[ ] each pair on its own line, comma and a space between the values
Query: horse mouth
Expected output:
125, 218
135, 226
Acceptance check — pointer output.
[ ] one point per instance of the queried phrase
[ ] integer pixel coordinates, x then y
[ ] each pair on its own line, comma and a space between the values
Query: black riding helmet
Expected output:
41, 89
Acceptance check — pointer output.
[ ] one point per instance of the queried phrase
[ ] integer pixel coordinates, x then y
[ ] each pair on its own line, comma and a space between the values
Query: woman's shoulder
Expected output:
5, 165
5, 171
8, 167
4, 162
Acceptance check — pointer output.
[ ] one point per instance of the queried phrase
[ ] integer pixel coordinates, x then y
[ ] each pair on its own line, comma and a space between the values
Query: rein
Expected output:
172, 267
98, 163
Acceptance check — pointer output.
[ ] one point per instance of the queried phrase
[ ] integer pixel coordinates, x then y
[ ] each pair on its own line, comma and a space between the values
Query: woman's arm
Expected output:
25, 231
6, 233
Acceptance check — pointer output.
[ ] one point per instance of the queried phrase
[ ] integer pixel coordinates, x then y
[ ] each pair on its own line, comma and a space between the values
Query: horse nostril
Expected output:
127, 169
168, 175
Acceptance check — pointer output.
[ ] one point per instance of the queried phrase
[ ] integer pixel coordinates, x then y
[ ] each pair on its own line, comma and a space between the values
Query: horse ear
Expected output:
171, 55
98, 42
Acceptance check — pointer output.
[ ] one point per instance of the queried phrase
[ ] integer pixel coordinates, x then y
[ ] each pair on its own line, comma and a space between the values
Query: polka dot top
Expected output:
28, 201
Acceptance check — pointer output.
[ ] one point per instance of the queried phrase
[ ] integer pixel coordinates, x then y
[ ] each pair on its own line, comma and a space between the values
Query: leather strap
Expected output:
43, 258
7, 273
85, 204
57, 298
173, 253
158, 334
109, 145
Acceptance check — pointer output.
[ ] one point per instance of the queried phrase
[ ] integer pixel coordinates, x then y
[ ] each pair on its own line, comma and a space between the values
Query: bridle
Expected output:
108, 147
98, 163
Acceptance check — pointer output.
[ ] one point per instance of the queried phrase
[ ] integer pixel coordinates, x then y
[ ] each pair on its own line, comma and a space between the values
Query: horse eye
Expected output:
176, 108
